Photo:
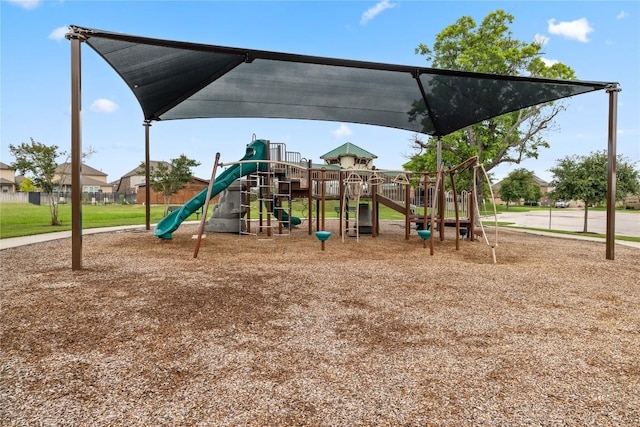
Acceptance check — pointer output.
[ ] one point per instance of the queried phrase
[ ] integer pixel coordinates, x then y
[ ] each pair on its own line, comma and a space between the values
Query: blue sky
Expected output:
600, 40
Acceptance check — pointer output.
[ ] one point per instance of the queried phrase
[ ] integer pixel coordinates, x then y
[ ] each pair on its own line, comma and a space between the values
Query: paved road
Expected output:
627, 222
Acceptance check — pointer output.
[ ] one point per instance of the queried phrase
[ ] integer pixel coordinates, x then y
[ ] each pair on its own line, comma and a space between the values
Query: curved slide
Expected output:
285, 216
257, 150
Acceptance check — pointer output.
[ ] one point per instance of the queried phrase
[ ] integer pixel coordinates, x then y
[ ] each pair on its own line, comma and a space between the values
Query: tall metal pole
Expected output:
611, 170
76, 152
147, 175
310, 195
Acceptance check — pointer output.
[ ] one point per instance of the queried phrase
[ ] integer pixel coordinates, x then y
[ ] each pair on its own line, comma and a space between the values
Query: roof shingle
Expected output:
348, 149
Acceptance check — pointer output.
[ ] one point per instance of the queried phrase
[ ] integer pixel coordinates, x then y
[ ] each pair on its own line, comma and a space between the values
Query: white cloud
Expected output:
26, 4
374, 11
549, 62
622, 15
58, 33
575, 30
103, 105
540, 39
343, 130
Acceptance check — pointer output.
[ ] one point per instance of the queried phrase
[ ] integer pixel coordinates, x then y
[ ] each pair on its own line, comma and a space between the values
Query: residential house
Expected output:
132, 180
7, 178
92, 180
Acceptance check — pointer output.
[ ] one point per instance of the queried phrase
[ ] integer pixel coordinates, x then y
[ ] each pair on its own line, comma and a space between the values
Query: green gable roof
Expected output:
348, 149
324, 165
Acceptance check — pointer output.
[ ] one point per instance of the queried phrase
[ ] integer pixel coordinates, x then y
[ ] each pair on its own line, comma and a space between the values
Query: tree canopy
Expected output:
27, 185
39, 162
168, 179
585, 178
491, 48
520, 184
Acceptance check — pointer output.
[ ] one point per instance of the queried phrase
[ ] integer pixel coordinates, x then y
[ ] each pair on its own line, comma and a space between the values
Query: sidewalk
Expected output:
39, 238
627, 223
571, 236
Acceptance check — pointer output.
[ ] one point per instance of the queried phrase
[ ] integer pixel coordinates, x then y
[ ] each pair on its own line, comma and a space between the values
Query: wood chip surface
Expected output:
276, 332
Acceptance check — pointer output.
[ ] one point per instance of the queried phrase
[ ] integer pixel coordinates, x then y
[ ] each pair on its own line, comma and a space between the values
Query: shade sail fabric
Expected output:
181, 80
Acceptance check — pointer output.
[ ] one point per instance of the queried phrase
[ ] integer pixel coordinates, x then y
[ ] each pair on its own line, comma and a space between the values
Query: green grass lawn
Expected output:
23, 219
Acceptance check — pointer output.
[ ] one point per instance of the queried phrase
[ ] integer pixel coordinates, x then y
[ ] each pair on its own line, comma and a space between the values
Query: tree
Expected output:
39, 160
489, 48
520, 184
27, 185
168, 179
585, 178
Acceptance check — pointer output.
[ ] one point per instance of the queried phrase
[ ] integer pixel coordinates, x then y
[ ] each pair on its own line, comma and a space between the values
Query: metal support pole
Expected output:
611, 170
310, 195
341, 204
147, 176
323, 192
439, 153
407, 210
76, 151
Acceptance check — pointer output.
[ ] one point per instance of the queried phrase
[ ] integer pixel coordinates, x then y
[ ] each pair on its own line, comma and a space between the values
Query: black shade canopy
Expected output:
180, 80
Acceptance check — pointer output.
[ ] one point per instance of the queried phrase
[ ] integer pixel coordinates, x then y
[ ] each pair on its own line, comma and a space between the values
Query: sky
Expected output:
600, 40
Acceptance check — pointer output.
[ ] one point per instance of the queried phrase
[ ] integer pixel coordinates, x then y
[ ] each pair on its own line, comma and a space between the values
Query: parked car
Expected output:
562, 204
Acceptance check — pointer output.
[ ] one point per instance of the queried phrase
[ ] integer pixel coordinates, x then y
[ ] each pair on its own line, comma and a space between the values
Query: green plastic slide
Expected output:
285, 216
257, 150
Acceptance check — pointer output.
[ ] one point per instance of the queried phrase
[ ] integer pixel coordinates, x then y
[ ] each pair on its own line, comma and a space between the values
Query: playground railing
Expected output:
463, 205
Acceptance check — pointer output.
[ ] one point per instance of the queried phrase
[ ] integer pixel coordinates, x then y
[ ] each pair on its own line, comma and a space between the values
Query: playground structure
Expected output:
421, 198
272, 187
268, 178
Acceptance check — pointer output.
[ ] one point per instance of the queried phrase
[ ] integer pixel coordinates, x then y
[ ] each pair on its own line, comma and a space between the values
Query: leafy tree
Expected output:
520, 184
489, 48
168, 179
39, 160
585, 178
27, 185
